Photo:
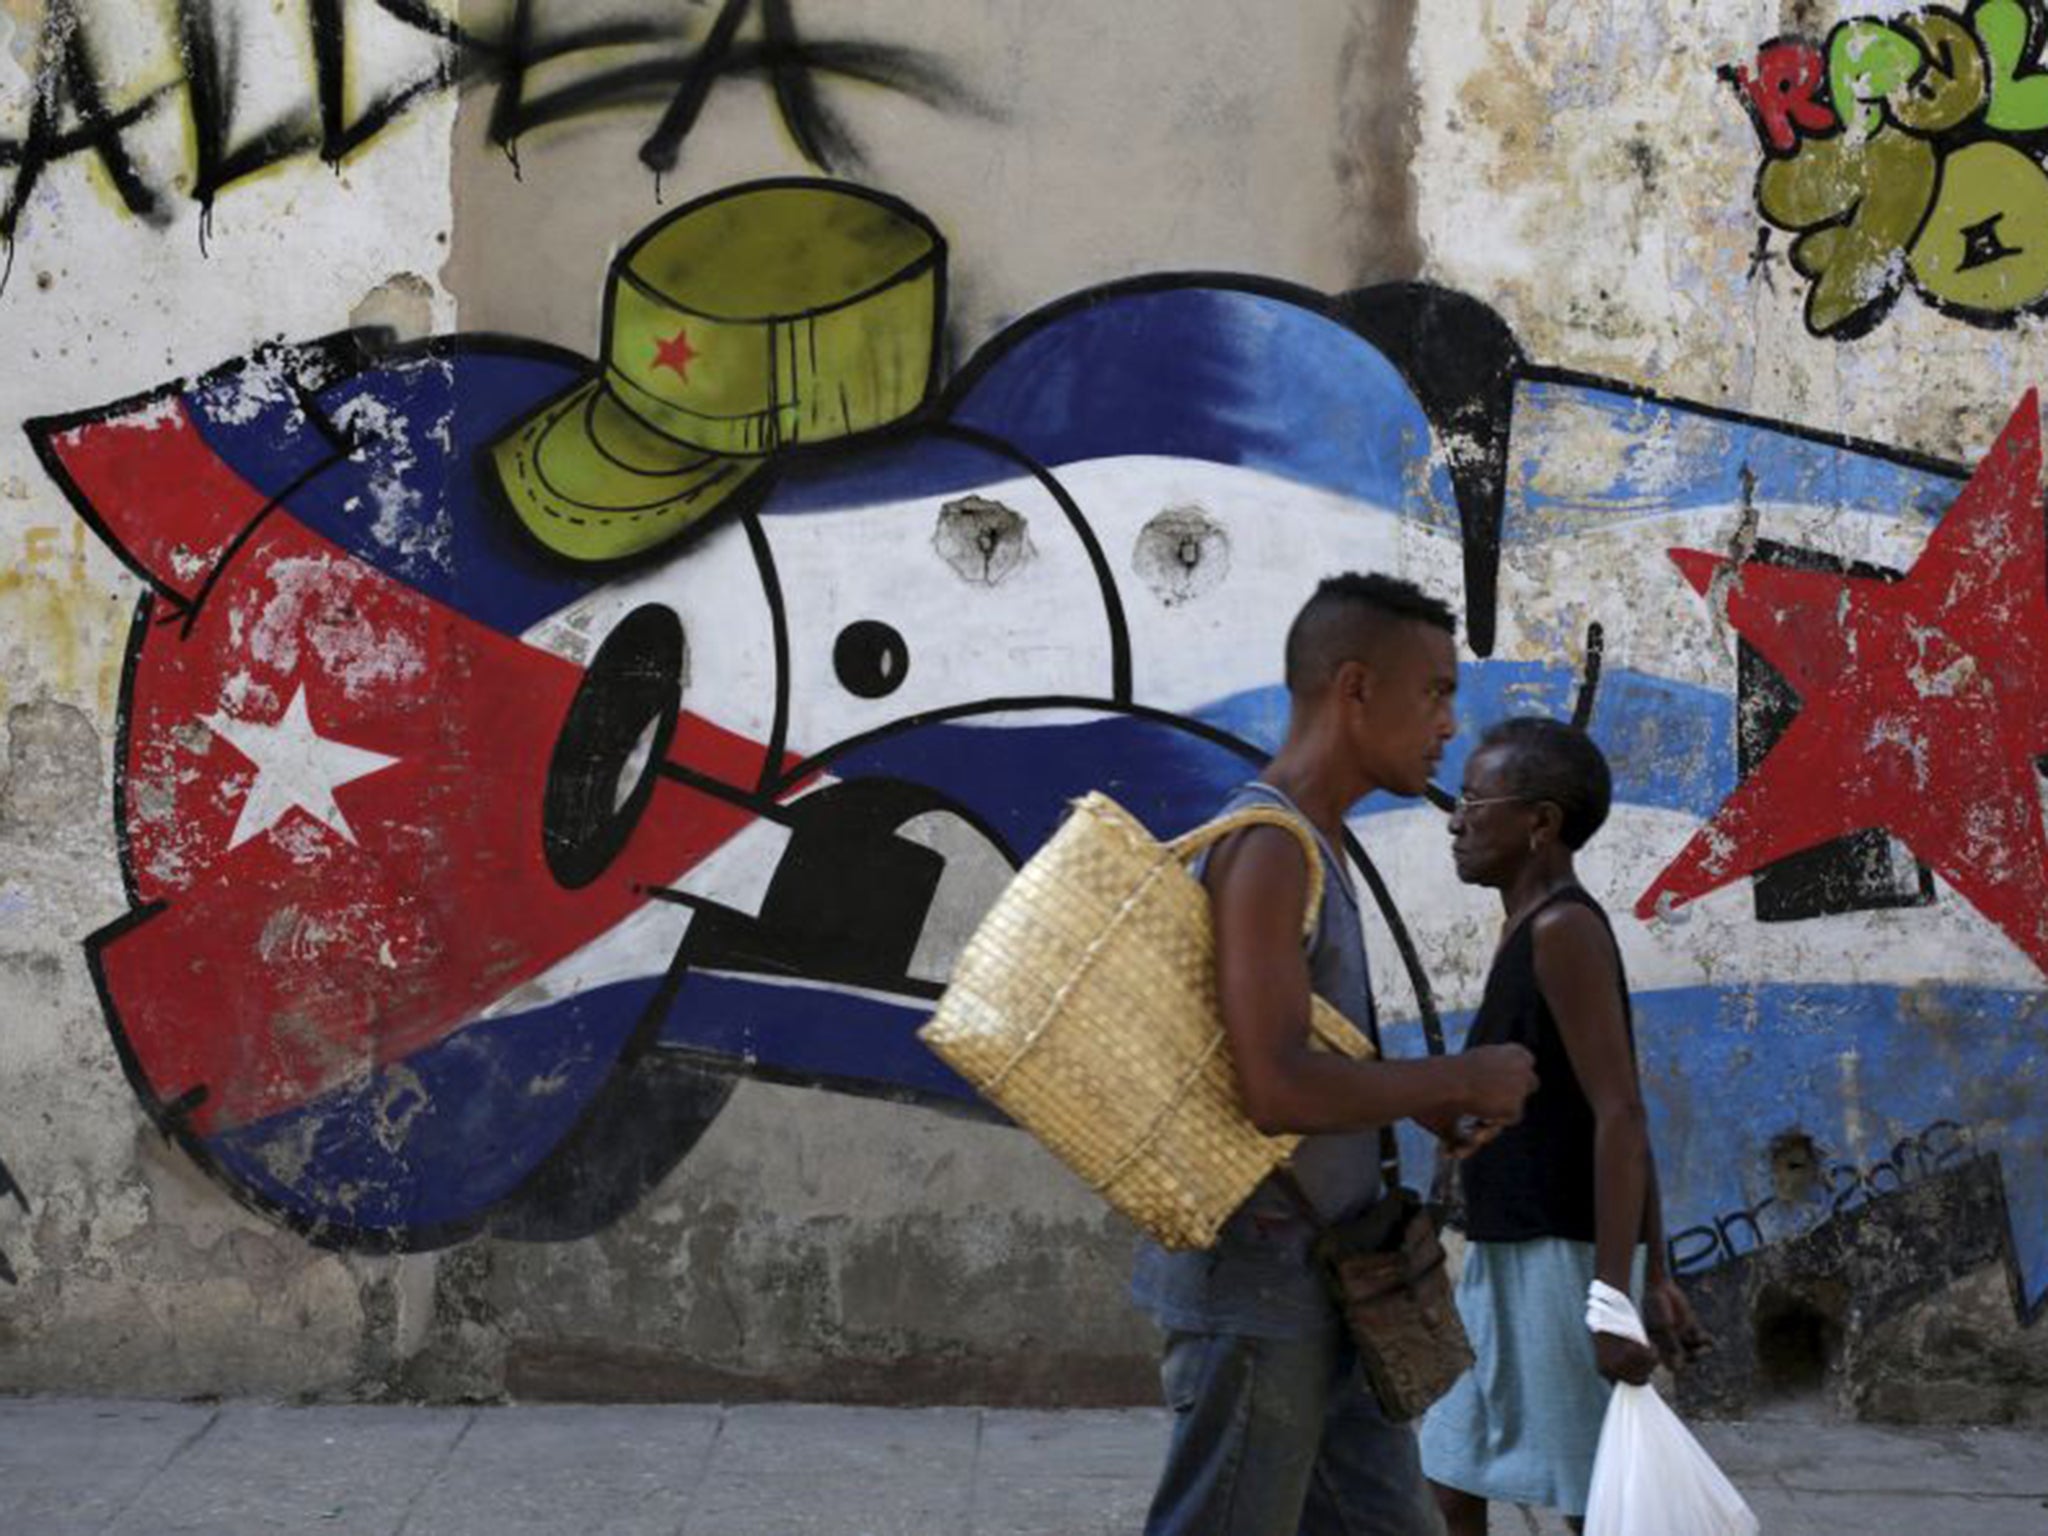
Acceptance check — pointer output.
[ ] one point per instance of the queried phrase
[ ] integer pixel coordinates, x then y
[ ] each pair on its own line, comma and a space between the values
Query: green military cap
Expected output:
760, 317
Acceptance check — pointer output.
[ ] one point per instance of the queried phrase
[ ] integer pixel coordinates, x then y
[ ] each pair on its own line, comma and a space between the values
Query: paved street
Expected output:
142, 1469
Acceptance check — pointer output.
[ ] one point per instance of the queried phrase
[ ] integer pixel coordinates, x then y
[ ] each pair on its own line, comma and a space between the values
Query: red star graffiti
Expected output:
676, 354
1923, 704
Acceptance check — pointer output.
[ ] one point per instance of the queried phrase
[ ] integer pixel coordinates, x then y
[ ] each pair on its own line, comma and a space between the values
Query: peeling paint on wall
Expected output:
797, 959
568, 920
1898, 153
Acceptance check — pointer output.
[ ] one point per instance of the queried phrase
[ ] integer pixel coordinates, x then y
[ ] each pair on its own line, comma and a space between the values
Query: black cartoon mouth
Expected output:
877, 885
880, 884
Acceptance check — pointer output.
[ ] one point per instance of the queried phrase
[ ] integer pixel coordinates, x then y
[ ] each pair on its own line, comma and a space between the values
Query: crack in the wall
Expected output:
1727, 579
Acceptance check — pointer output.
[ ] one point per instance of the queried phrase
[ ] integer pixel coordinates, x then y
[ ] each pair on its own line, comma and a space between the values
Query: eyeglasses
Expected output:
1466, 803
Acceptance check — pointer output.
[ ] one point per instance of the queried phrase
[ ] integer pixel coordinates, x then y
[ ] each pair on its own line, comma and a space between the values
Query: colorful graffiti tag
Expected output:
472, 860
1823, 1192
1906, 151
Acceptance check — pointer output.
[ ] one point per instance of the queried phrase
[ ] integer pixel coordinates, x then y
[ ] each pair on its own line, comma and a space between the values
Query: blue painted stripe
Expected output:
1209, 373
1670, 459
1671, 745
1858, 1068
809, 1032
1017, 780
445, 1134
907, 468
415, 499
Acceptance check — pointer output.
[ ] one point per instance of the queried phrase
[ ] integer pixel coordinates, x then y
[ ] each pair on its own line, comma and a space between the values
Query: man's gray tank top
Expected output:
1258, 1278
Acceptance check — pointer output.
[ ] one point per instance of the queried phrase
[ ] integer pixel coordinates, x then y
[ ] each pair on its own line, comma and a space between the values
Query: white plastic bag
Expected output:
1650, 1477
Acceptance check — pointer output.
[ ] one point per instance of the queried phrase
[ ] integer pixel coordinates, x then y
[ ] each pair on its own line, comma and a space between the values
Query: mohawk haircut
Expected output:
1347, 617
1547, 759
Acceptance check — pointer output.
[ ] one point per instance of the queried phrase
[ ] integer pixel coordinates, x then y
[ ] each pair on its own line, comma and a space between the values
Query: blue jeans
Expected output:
1283, 1437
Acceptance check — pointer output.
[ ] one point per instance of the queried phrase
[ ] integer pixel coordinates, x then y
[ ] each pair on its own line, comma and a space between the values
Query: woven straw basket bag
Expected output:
1084, 1007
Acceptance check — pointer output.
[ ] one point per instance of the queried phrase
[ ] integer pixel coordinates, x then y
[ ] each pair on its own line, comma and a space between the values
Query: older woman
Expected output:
1565, 1195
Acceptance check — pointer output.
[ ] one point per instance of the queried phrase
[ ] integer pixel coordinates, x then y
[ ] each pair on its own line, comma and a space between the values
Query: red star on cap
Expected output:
1923, 704
675, 353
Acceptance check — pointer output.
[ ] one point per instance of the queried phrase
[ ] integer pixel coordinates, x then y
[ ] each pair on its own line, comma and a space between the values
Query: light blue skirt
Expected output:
1521, 1426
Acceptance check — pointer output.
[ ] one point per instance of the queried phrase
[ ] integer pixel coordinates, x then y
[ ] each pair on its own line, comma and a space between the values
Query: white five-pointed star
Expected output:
296, 769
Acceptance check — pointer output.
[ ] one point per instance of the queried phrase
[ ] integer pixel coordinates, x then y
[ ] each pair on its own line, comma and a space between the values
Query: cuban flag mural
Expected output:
454, 865
1816, 668
465, 879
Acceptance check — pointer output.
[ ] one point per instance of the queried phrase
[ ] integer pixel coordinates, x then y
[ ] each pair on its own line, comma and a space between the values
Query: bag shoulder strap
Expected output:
1210, 833
1335, 855
1186, 846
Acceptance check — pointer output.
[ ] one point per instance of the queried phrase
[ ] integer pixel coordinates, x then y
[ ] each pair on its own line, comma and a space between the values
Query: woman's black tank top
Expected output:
1536, 1179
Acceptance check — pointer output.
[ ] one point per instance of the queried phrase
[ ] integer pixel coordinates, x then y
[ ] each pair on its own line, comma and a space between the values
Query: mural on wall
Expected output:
1906, 151
662, 62
1893, 673
517, 749
1841, 998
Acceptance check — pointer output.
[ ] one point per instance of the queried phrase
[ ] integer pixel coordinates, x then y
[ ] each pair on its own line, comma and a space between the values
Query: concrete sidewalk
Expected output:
142, 1469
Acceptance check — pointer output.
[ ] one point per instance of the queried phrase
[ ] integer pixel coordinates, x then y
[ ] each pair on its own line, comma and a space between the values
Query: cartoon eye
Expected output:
602, 772
871, 659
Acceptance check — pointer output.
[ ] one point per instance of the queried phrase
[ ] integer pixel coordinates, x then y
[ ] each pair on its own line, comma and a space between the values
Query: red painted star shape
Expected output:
1923, 704
676, 353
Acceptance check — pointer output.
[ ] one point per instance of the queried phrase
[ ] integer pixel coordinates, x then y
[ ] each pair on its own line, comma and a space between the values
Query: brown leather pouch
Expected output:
1386, 1270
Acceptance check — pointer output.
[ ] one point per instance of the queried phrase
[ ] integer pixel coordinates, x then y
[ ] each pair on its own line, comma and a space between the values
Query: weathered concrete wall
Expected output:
439, 961
1641, 225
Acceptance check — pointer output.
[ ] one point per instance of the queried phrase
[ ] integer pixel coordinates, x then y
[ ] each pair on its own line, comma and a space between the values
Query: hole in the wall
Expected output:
1798, 1333
1795, 1167
983, 540
1182, 554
